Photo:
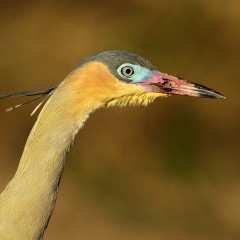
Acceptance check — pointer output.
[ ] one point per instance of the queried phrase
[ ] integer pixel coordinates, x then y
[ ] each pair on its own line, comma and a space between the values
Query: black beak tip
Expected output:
207, 92
212, 94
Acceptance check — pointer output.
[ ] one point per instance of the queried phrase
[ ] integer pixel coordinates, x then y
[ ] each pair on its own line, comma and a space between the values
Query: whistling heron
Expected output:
113, 78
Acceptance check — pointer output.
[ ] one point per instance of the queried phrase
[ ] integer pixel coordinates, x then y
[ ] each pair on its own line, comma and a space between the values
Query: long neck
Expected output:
28, 201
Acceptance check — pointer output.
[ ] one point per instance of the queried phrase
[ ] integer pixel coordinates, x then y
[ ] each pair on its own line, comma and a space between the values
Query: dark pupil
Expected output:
127, 71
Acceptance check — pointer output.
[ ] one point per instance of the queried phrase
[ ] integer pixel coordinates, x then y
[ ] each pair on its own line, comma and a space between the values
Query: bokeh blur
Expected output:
169, 171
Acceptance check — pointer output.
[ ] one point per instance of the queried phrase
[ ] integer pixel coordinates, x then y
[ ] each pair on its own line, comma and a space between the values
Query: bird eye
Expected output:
127, 71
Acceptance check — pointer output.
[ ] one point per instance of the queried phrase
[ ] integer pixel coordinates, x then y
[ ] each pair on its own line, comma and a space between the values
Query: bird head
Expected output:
128, 79
117, 78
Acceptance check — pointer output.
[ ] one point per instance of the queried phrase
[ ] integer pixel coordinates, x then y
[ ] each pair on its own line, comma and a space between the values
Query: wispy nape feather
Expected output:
37, 93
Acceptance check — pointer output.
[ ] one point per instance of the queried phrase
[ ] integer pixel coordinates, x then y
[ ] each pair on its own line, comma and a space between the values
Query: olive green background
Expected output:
169, 171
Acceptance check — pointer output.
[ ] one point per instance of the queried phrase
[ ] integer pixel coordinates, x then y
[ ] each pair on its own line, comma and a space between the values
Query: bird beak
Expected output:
167, 84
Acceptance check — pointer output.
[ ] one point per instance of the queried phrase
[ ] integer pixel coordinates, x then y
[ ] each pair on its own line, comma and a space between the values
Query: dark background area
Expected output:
169, 171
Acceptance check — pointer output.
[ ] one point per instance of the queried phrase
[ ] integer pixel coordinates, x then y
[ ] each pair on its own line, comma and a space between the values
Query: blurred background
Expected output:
169, 171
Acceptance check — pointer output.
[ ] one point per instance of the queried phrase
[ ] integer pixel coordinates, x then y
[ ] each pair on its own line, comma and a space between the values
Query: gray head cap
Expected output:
114, 59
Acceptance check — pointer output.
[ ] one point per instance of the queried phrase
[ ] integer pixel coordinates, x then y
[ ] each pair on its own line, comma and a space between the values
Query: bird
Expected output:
106, 79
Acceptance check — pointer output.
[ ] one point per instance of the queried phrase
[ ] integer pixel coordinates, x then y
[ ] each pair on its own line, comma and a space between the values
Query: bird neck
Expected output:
28, 201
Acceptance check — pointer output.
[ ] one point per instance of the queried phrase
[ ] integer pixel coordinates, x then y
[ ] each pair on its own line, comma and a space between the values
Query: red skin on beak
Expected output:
167, 84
